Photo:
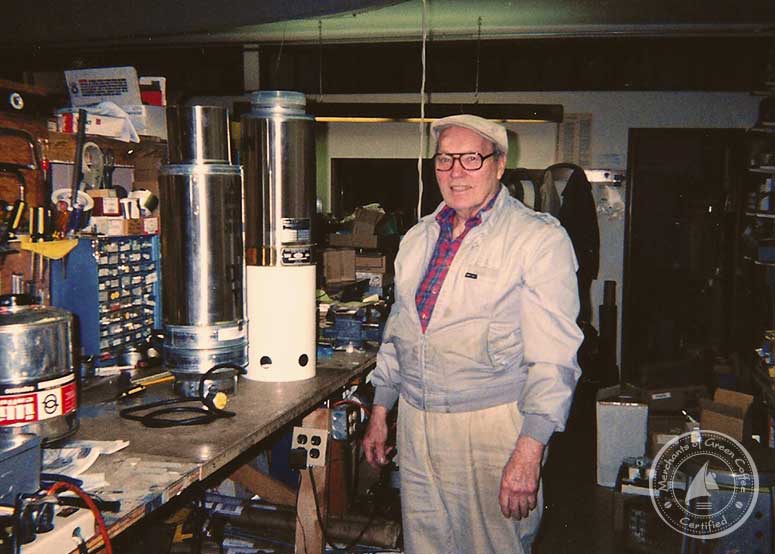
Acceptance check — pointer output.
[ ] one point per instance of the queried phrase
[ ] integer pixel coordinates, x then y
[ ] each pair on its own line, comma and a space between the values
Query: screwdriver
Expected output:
131, 391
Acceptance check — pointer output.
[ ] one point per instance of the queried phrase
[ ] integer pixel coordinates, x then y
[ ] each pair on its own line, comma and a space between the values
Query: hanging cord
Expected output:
279, 55
478, 58
422, 114
320, 60
206, 414
61, 485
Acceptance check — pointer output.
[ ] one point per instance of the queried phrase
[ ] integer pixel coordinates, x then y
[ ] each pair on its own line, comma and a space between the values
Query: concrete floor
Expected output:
578, 517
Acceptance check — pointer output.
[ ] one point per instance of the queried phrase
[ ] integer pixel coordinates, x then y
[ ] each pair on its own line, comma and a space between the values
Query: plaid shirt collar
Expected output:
446, 217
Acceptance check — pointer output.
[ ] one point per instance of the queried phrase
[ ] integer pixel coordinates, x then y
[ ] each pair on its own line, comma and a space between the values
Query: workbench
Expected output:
159, 464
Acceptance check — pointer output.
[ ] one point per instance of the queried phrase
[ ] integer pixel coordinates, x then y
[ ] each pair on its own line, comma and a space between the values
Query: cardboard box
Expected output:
368, 218
372, 263
362, 239
675, 399
132, 227
103, 225
153, 90
351, 240
339, 265
363, 228
664, 428
150, 225
103, 125
363, 231
728, 413
102, 193
105, 205
622, 420
115, 226
343, 240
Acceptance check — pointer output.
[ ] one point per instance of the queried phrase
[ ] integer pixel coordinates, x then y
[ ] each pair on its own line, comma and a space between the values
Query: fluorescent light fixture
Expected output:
373, 112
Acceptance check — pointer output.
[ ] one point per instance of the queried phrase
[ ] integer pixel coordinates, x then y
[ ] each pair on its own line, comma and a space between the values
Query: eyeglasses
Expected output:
470, 161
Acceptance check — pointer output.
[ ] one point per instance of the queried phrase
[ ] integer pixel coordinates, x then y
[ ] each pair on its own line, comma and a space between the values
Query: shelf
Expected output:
62, 148
764, 215
769, 169
758, 262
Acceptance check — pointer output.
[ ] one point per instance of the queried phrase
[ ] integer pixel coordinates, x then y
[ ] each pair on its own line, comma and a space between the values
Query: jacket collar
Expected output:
429, 221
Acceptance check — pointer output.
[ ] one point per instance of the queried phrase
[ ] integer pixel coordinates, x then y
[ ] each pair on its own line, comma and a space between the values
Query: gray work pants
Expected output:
450, 467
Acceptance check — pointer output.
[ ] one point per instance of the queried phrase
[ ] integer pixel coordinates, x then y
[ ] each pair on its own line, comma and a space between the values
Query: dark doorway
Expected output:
391, 182
679, 257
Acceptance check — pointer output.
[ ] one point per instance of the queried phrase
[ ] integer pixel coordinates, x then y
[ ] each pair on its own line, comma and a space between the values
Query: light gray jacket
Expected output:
504, 325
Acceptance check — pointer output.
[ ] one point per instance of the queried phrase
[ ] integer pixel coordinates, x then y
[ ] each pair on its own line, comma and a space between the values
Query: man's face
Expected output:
465, 191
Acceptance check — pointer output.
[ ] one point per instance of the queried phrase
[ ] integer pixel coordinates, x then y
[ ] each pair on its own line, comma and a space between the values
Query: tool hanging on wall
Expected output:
40, 224
13, 220
108, 167
92, 166
76, 209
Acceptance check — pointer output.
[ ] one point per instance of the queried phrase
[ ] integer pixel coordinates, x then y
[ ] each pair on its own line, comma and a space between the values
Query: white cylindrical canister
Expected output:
283, 323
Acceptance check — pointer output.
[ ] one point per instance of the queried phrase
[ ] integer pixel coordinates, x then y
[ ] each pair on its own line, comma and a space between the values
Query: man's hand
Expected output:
519, 481
376, 437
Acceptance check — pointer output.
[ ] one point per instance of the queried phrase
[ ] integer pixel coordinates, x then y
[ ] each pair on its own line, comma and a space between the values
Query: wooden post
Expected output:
309, 534
263, 485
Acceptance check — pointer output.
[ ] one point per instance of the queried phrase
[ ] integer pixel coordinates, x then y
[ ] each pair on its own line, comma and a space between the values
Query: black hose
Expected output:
207, 414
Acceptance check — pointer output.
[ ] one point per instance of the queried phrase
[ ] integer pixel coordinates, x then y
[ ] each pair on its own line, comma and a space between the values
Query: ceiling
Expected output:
308, 45
77, 22
148, 22
501, 19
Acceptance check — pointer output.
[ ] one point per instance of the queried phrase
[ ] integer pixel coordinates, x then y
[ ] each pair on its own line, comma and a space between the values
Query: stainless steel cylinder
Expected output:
203, 269
38, 388
278, 153
198, 135
201, 241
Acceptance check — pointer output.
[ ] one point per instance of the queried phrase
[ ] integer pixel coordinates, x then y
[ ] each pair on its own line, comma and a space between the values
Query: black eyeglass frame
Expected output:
459, 158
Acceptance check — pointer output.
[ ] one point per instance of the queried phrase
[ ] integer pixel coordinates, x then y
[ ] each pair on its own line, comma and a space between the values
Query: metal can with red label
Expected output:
38, 385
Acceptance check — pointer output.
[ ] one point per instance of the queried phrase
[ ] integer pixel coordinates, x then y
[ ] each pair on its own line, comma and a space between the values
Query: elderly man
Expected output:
481, 348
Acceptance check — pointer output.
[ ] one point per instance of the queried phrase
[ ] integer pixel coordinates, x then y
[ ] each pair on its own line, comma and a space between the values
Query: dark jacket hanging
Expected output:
579, 217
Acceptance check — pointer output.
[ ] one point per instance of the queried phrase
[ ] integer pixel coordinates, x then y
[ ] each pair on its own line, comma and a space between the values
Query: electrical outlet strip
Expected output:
69, 524
314, 441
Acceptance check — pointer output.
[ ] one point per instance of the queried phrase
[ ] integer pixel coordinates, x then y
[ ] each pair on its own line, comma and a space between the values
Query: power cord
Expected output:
103, 530
210, 412
323, 526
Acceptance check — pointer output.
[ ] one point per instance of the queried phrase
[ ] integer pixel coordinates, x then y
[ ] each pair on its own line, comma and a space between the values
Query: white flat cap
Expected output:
490, 130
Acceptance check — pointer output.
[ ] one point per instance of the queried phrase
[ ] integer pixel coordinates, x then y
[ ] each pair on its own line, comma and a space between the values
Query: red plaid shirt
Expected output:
443, 254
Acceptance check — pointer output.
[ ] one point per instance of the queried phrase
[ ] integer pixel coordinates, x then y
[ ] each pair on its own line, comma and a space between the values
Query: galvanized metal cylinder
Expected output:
203, 269
38, 385
278, 153
198, 134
